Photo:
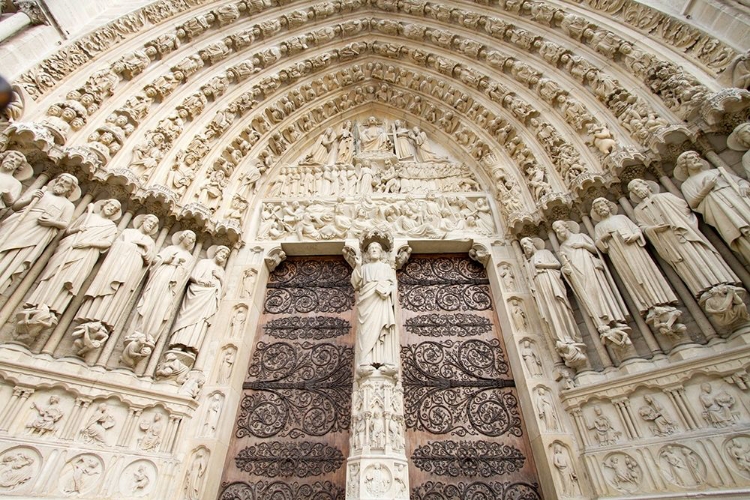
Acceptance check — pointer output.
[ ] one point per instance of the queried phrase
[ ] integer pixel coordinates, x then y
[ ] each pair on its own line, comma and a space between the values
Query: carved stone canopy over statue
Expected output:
720, 196
374, 280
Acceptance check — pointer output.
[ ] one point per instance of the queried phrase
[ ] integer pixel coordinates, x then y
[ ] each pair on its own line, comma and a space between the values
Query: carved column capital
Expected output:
32, 9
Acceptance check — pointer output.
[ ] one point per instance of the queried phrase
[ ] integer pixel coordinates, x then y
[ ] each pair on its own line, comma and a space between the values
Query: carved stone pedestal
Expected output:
377, 466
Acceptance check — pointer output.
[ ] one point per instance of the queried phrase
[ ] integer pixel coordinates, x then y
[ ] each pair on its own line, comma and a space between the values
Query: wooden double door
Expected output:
465, 433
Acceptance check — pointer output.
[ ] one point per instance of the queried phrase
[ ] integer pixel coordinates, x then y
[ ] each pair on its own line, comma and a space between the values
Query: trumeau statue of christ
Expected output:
374, 280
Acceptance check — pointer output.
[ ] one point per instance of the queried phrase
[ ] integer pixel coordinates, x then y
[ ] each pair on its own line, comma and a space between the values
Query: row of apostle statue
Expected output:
172, 295
670, 225
171, 291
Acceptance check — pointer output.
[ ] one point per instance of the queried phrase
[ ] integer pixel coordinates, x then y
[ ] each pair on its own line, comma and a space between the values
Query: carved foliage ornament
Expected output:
289, 459
468, 458
297, 389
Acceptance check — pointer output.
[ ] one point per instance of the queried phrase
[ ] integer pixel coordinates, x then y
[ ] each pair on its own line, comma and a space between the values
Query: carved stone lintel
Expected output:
274, 257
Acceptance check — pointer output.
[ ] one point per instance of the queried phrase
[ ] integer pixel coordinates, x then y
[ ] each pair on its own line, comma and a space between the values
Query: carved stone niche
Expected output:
717, 404
102, 423
737, 449
603, 424
655, 411
151, 431
19, 469
45, 414
138, 479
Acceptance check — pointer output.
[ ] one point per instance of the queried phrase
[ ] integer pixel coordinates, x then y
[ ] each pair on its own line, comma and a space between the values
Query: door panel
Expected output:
291, 434
465, 432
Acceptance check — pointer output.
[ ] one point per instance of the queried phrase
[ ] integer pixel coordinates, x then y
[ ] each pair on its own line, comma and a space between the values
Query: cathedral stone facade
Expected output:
375, 249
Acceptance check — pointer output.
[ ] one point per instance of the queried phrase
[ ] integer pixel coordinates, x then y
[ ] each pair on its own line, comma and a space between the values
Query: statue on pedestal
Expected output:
673, 230
76, 254
108, 295
619, 237
169, 274
374, 279
543, 270
201, 301
589, 277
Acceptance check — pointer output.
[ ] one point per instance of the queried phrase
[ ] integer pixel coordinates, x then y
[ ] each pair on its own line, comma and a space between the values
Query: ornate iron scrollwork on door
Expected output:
298, 389
458, 388
457, 382
295, 411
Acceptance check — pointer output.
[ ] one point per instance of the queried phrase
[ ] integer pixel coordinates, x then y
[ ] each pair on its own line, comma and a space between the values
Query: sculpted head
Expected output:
640, 188
187, 239
561, 229
691, 163
528, 247
221, 255
13, 161
111, 208
64, 184
601, 207
149, 224
374, 251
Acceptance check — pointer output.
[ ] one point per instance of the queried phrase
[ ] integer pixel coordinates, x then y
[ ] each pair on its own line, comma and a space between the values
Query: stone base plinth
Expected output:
377, 477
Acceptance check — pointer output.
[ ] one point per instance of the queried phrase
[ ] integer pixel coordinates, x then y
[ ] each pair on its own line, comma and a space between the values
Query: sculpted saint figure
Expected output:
169, 273
588, 276
404, 150
38, 217
345, 148
374, 279
720, 196
47, 417
13, 169
75, 257
672, 228
98, 424
121, 271
201, 301
323, 151
618, 236
549, 292
372, 137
